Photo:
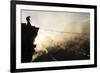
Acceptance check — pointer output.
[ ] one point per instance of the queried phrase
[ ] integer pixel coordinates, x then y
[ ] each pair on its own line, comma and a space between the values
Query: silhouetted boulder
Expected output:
28, 35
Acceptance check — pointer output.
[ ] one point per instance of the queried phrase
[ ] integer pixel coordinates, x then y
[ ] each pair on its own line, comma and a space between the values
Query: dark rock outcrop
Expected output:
28, 35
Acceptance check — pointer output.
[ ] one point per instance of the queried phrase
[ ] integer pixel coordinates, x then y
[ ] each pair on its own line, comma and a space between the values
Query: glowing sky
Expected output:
54, 20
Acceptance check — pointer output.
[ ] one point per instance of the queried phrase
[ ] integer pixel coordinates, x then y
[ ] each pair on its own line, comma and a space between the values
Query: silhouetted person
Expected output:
28, 21
28, 35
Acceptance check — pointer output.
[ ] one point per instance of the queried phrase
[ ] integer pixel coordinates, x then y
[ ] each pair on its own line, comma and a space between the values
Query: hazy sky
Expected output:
49, 22
55, 20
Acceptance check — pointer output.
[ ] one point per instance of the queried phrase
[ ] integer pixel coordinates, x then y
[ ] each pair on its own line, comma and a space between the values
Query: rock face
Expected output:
28, 35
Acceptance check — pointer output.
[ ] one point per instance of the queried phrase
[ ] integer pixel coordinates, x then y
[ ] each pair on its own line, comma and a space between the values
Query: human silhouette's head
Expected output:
28, 18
